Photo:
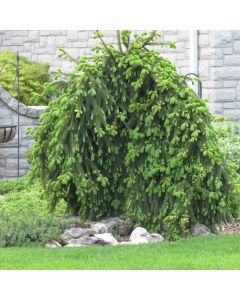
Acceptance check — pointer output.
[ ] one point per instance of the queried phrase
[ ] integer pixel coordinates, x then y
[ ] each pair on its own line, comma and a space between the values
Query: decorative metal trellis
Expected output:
8, 132
188, 76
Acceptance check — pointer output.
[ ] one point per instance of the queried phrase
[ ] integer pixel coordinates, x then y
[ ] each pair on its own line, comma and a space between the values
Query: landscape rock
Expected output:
82, 241
52, 244
1, 197
113, 224
125, 229
155, 238
125, 243
74, 233
105, 239
99, 228
139, 232
200, 229
140, 240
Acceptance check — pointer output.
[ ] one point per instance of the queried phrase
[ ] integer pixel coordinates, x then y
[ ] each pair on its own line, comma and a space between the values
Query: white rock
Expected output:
139, 232
52, 244
125, 243
99, 228
155, 238
105, 239
200, 229
1, 197
140, 240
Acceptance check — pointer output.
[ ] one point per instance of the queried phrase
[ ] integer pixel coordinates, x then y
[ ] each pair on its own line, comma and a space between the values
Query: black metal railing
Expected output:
17, 78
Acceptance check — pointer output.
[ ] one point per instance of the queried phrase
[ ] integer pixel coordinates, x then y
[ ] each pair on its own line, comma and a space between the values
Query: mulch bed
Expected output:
231, 228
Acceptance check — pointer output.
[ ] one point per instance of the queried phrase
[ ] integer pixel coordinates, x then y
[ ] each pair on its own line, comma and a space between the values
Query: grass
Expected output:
218, 252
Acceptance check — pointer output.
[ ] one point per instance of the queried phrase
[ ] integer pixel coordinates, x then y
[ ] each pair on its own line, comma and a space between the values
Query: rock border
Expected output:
24, 110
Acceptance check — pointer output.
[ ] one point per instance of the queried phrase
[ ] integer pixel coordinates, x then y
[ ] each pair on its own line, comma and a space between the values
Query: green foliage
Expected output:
127, 134
228, 133
32, 77
20, 196
28, 228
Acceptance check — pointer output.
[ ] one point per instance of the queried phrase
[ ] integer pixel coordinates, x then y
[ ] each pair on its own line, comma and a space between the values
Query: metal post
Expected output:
18, 117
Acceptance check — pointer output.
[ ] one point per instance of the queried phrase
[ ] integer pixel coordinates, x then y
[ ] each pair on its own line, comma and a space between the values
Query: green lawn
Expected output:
196, 253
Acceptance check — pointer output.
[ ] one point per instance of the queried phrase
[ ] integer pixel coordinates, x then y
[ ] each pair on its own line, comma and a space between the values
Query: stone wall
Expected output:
9, 151
41, 45
219, 68
219, 57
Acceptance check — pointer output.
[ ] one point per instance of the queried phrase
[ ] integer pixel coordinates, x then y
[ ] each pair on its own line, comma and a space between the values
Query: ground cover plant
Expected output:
202, 253
25, 218
228, 132
127, 135
33, 75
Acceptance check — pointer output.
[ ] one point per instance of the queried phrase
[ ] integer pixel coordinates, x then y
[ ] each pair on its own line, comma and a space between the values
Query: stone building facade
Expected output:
218, 58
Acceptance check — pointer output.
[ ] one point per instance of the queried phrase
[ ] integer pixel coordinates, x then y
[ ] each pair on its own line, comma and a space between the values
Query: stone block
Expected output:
183, 35
61, 41
215, 108
170, 38
236, 47
203, 40
204, 68
2, 163
229, 83
17, 41
215, 62
228, 50
72, 35
232, 60
110, 33
2, 172
210, 53
223, 94
225, 72
182, 62
219, 38
83, 36
180, 56
229, 105
236, 34
33, 36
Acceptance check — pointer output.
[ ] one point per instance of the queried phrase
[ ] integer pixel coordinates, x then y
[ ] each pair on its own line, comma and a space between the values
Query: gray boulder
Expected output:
74, 233
105, 239
113, 224
98, 228
155, 238
139, 232
125, 229
200, 230
82, 241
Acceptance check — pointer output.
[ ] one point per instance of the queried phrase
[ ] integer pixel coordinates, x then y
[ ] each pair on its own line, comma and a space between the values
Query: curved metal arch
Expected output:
199, 83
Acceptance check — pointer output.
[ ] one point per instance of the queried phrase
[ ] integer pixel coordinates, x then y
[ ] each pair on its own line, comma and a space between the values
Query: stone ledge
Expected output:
28, 111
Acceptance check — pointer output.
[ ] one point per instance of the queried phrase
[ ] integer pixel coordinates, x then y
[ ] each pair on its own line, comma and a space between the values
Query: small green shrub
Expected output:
32, 77
29, 229
229, 140
20, 196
